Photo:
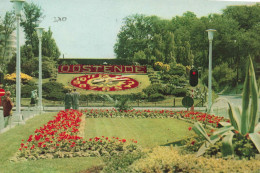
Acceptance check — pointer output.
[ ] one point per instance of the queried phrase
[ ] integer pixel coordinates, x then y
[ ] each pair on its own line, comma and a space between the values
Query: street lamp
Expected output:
39, 31
210, 37
18, 4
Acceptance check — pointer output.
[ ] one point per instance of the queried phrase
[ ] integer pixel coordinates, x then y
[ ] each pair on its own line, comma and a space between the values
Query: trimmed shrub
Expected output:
53, 91
154, 88
179, 70
156, 97
27, 88
179, 92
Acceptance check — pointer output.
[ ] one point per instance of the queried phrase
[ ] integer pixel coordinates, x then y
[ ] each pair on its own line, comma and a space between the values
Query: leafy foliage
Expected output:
32, 15
168, 159
7, 26
27, 88
121, 162
53, 91
182, 39
244, 122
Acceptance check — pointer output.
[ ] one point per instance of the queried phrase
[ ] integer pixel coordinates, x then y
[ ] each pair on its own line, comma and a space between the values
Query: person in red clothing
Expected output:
7, 108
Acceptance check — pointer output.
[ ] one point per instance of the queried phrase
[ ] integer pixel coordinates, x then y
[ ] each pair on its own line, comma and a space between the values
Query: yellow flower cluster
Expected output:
158, 63
167, 159
166, 67
162, 66
12, 77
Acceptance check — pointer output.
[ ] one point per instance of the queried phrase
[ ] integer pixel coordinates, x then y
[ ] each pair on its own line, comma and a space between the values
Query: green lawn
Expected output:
10, 143
148, 132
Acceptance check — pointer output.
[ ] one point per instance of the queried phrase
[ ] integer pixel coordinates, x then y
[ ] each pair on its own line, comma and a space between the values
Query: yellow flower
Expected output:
12, 77
158, 63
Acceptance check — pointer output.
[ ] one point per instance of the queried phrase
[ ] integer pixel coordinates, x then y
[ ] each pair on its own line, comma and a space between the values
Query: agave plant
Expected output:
243, 121
121, 104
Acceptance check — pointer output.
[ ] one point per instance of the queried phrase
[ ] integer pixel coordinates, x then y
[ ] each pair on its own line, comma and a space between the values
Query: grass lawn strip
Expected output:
148, 132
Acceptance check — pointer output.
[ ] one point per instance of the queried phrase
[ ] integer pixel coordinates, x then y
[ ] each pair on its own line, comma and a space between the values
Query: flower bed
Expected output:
59, 139
205, 118
188, 115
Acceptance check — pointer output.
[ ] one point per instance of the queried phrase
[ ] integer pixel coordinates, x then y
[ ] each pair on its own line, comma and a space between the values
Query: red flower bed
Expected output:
202, 117
59, 138
192, 116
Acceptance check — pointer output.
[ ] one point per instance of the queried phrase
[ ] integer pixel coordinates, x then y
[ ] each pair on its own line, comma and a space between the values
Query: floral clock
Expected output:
104, 82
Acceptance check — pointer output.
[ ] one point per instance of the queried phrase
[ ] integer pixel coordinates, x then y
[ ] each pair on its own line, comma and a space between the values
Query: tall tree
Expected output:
246, 16
49, 44
7, 27
134, 36
31, 20
169, 47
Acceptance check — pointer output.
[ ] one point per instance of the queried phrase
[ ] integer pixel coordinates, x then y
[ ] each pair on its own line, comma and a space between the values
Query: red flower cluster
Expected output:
202, 117
60, 135
129, 113
63, 128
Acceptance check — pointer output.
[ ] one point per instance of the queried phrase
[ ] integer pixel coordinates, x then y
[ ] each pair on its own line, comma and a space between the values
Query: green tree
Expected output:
246, 16
7, 26
49, 46
140, 57
32, 13
133, 36
169, 47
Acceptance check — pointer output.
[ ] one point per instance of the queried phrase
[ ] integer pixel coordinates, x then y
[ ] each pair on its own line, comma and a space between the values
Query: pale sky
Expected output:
90, 27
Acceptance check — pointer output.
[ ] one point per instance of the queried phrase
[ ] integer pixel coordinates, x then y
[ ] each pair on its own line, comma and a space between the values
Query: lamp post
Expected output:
39, 31
210, 37
18, 4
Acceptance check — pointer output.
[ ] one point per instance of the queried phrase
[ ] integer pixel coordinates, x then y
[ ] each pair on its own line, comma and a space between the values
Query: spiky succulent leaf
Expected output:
255, 138
234, 116
224, 124
257, 128
245, 104
222, 131
227, 147
253, 118
203, 148
199, 130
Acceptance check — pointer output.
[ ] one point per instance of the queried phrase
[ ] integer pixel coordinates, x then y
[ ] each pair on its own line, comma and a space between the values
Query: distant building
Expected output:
10, 48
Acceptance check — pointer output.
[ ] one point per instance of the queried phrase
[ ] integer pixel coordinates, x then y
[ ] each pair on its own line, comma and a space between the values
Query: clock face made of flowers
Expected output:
104, 82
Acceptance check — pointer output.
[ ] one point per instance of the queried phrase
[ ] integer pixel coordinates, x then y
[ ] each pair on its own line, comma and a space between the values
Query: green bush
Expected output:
222, 76
166, 77
179, 70
167, 89
27, 88
121, 162
49, 68
156, 97
179, 92
154, 88
53, 91
178, 80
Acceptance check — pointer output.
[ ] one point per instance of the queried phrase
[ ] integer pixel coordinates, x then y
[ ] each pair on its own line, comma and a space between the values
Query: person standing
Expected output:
7, 108
33, 98
68, 100
75, 99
